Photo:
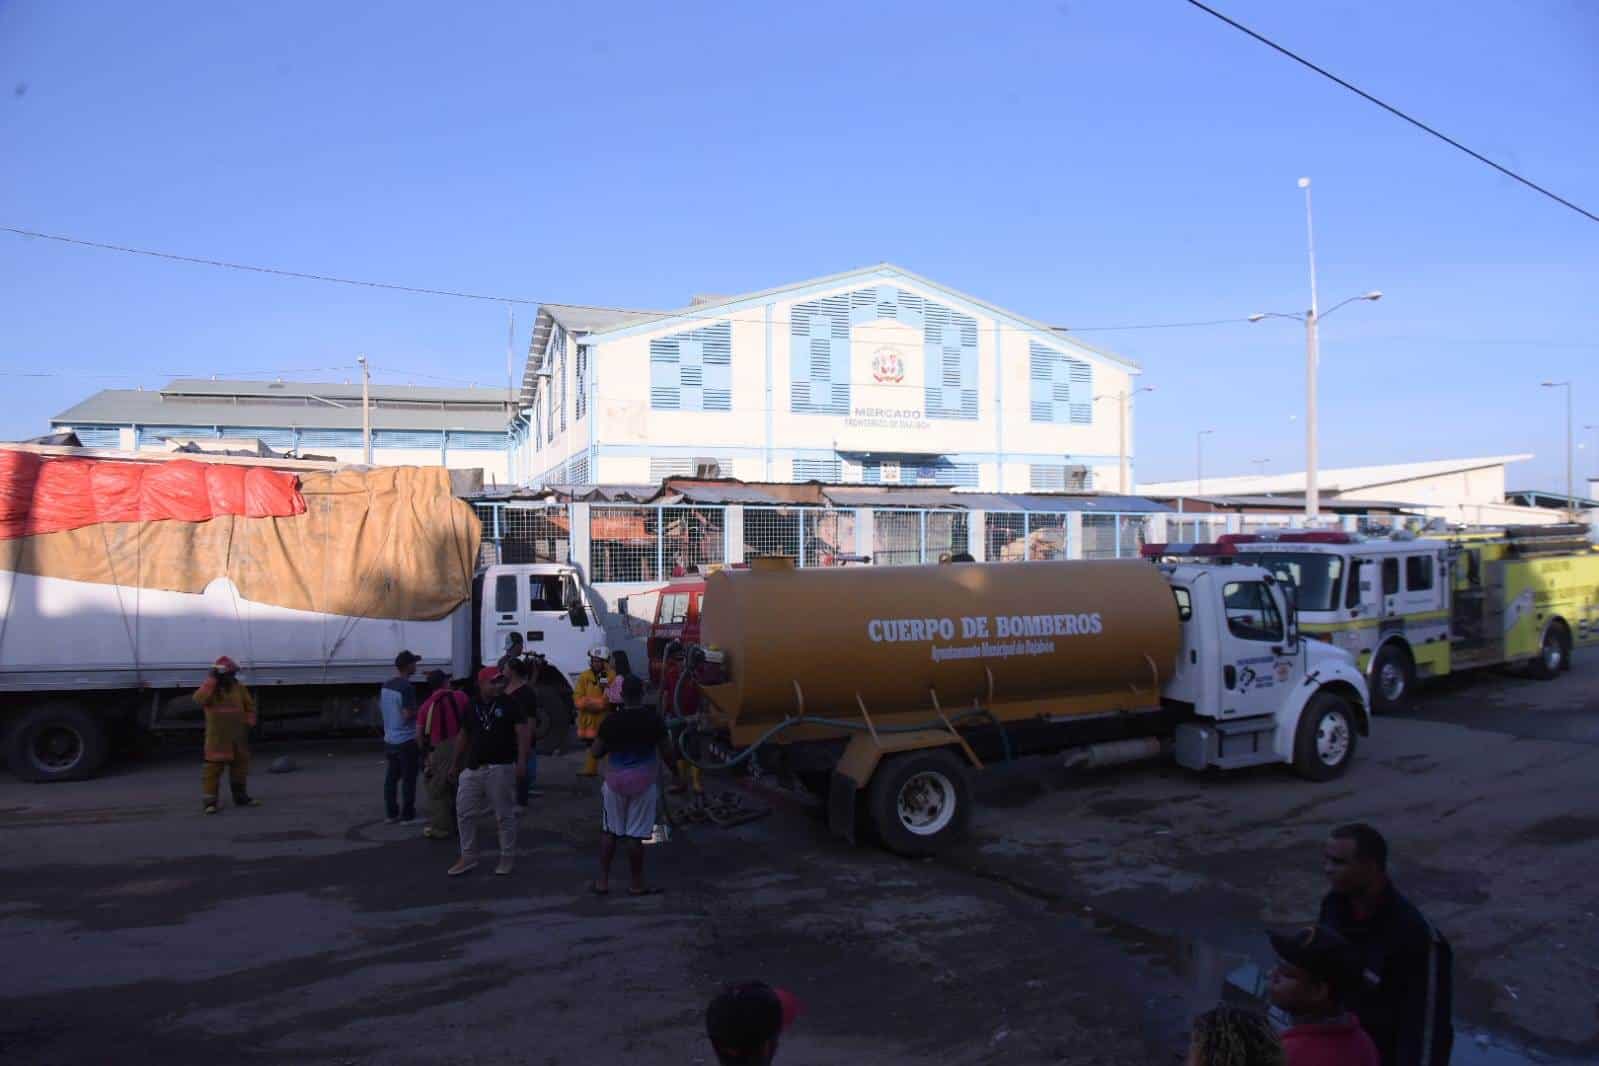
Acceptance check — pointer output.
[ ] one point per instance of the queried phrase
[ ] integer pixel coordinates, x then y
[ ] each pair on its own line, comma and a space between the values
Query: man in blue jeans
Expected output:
397, 701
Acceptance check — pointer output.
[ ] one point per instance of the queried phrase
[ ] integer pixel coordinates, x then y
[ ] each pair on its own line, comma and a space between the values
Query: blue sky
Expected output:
1088, 163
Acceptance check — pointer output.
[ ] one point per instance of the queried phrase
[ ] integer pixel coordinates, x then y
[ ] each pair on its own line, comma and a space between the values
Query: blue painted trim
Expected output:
999, 403
756, 451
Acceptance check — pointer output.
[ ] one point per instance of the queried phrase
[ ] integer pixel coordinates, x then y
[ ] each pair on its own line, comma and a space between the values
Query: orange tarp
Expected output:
385, 543
41, 494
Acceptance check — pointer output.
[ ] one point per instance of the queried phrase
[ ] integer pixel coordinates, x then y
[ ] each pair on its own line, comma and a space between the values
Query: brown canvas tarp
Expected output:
385, 543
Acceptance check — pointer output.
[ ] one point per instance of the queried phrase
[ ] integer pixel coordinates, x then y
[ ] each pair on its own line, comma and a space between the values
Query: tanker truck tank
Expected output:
1019, 641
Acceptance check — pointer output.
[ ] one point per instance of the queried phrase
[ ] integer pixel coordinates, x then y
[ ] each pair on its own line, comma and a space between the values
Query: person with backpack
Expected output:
1404, 998
438, 724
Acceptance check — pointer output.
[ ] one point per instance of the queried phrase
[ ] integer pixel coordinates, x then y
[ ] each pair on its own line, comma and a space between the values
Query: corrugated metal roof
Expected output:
129, 406
1336, 479
336, 391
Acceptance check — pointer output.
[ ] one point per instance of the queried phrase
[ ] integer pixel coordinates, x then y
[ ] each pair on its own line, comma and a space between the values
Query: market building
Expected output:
875, 376
460, 428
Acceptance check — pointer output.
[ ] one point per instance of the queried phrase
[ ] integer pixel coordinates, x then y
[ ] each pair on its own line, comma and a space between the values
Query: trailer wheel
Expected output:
1554, 654
56, 742
1324, 744
919, 802
552, 724
1393, 676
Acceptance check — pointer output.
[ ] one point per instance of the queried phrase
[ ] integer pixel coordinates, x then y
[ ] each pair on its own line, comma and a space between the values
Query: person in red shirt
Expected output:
1316, 969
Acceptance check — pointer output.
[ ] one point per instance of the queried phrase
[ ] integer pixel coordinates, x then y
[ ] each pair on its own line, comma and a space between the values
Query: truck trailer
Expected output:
882, 689
124, 575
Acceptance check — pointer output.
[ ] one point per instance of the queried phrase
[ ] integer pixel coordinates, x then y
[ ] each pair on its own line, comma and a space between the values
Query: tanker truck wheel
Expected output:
1324, 743
552, 723
919, 802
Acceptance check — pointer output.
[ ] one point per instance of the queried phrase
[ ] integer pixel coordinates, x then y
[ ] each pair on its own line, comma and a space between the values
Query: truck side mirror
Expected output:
1290, 615
578, 616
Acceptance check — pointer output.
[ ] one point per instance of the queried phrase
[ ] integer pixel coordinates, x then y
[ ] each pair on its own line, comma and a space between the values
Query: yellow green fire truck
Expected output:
1411, 607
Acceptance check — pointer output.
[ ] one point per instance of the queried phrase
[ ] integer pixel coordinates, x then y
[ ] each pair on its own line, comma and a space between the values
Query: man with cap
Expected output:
588, 697
1316, 971
490, 755
438, 724
397, 702
745, 1021
229, 714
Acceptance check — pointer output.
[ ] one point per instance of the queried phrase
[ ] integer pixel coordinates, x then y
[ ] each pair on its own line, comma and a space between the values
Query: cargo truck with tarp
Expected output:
885, 688
123, 576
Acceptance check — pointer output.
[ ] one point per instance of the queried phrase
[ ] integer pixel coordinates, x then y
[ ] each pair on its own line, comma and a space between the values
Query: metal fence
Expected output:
631, 543
909, 537
513, 534
1112, 536
1026, 536
811, 536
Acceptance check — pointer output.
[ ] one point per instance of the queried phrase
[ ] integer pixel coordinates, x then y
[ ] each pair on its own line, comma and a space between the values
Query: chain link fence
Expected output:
631, 543
513, 534
1026, 536
811, 536
911, 537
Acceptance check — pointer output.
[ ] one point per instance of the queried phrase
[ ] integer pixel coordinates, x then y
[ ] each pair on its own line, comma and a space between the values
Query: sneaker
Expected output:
462, 866
391, 821
507, 864
436, 834
246, 801
211, 807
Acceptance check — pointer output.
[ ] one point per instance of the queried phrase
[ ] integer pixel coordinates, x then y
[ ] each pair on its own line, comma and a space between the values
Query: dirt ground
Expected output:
1090, 915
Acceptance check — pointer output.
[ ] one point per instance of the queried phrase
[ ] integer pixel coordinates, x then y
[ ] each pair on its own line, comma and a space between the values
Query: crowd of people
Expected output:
471, 741
1368, 984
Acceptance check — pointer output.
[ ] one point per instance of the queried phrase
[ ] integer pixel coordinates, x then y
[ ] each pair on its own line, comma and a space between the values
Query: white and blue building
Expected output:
875, 376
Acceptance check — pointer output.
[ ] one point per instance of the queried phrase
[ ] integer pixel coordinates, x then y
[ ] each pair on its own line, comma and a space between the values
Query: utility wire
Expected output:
1506, 171
689, 312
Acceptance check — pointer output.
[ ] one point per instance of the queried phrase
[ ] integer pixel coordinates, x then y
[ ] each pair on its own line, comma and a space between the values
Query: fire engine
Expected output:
1412, 608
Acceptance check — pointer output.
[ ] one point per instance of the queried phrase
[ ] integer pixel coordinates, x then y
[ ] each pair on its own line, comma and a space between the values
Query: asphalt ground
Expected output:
1086, 920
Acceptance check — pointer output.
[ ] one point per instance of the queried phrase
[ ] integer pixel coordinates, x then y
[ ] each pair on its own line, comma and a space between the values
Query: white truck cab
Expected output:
1260, 693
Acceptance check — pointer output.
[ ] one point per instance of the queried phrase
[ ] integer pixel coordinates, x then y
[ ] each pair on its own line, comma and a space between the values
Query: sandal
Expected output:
644, 891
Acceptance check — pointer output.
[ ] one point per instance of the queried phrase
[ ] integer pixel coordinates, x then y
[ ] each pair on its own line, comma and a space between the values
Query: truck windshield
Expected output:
1315, 576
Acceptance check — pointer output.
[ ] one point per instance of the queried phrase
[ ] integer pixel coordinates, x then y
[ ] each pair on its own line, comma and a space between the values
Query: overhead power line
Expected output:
308, 276
1329, 75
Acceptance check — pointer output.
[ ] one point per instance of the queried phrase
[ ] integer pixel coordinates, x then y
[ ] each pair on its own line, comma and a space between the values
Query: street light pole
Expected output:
1199, 461
1312, 365
366, 410
1571, 498
1124, 408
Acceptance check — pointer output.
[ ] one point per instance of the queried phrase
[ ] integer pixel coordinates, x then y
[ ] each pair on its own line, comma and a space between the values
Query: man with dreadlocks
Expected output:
1232, 1036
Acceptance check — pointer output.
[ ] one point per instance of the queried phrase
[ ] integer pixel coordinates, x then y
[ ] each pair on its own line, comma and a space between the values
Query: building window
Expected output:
560, 377
330, 438
1062, 387
693, 371
939, 470
420, 439
98, 436
817, 470
1052, 477
581, 383
272, 436
819, 359
465, 441
665, 467
149, 435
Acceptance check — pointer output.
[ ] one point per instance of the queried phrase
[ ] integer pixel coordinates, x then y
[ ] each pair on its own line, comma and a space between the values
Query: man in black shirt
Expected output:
1404, 1000
489, 760
633, 744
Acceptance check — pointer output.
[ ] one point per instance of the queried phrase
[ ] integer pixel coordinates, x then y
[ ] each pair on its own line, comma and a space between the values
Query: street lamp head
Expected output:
1374, 294
1256, 317
1553, 384
1304, 183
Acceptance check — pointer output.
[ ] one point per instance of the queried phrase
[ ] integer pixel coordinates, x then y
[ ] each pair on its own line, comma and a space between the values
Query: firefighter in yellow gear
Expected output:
588, 697
229, 714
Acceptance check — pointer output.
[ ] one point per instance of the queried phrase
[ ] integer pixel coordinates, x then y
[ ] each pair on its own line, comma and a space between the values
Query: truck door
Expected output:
502, 614
1255, 662
1390, 587
557, 622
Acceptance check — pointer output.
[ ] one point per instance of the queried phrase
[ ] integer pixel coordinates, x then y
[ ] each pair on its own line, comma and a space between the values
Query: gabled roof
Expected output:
1343, 479
603, 320
337, 411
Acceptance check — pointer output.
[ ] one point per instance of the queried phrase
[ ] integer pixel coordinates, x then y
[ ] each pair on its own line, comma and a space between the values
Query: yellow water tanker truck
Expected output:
886, 688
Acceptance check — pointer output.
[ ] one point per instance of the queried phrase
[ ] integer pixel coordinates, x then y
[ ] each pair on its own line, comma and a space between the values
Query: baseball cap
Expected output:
437, 677
745, 1016
1321, 952
488, 675
406, 658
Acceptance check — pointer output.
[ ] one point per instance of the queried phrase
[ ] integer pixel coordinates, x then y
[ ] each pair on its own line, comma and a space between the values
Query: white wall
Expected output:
628, 431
